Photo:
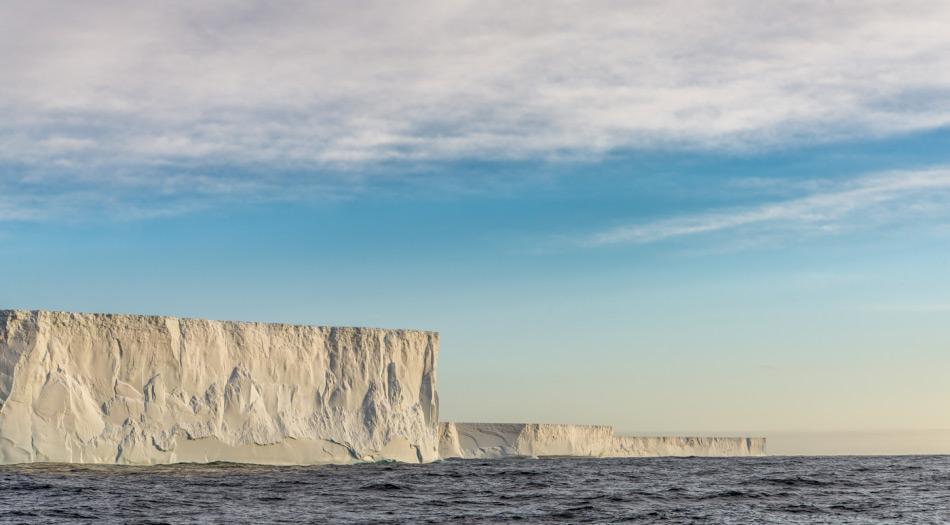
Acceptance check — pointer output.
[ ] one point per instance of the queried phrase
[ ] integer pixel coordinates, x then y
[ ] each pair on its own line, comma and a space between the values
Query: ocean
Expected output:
891, 489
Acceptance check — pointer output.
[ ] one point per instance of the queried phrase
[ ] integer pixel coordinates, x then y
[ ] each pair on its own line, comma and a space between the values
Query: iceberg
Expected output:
93, 388
130, 389
500, 440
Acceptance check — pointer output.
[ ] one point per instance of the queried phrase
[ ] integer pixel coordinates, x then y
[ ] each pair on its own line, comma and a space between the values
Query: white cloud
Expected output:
97, 92
348, 82
866, 201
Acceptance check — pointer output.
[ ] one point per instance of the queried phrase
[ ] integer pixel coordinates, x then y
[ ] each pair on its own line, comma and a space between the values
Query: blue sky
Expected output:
734, 219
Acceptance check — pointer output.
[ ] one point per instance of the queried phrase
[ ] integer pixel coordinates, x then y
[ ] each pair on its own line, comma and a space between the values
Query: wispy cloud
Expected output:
865, 201
106, 94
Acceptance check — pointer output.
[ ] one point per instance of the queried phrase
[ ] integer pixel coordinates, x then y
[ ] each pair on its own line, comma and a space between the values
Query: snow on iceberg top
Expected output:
18, 313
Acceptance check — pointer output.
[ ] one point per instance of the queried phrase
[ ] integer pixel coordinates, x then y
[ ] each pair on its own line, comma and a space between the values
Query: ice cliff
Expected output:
93, 388
497, 440
643, 446
133, 389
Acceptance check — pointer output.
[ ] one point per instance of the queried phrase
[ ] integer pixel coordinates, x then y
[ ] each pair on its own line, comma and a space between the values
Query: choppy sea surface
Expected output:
897, 489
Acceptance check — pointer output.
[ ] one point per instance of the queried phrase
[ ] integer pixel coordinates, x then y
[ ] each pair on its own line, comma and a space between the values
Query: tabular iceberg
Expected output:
648, 446
498, 440
93, 388
96, 388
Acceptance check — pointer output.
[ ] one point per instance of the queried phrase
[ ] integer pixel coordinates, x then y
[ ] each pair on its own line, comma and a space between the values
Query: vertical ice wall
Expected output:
497, 440
135, 389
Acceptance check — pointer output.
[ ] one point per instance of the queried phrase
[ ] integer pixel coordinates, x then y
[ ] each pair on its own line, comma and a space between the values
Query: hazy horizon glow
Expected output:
662, 216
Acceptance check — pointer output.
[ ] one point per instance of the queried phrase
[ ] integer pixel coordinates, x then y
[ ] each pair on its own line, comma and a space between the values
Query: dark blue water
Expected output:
651, 490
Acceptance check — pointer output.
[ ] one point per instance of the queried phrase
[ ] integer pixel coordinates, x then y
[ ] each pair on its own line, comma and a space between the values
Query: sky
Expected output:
664, 216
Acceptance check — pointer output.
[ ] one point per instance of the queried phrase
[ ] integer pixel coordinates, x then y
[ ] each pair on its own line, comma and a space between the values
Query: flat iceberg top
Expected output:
536, 425
26, 314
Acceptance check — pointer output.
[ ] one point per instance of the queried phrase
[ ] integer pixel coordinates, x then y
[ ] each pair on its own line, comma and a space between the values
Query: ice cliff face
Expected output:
85, 388
133, 389
497, 440
638, 446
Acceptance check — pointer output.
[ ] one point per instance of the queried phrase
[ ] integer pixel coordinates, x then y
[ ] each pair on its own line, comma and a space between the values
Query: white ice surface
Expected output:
496, 440
91, 388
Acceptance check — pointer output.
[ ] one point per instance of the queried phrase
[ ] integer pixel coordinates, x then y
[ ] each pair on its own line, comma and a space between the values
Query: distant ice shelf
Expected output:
500, 440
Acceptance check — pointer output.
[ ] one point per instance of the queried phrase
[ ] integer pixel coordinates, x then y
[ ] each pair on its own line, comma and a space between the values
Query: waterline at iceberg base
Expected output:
130, 389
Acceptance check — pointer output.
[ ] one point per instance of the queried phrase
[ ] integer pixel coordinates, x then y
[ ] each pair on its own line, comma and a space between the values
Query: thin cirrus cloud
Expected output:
867, 201
105, 96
